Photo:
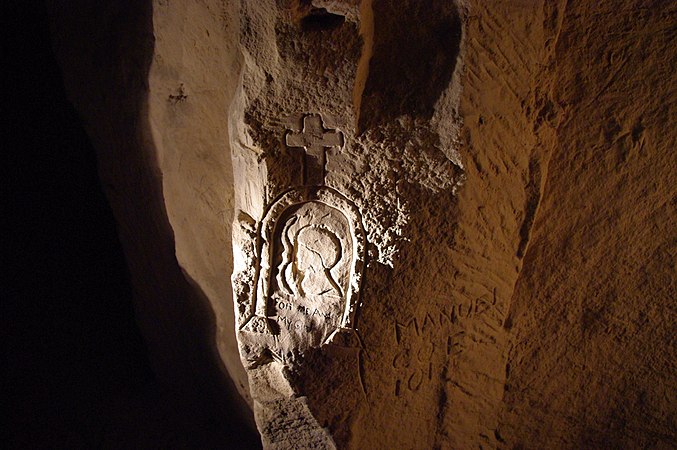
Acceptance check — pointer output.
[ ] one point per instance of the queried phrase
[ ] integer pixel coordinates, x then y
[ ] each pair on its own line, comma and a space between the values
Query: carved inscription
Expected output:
433, 338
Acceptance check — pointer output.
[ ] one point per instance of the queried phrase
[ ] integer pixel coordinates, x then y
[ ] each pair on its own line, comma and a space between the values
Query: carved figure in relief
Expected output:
312, 258
311, 247
314, 252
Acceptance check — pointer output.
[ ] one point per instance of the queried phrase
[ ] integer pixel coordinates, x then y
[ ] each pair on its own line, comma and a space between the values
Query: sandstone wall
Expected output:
499, 178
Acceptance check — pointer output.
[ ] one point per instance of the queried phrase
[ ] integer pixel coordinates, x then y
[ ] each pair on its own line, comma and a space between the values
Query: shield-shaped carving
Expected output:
311, 247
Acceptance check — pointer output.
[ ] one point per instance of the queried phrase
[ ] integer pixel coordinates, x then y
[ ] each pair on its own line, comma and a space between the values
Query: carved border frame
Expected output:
266, 234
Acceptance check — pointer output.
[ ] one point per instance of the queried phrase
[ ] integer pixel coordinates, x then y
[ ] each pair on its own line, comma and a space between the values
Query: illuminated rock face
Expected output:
335, 170
449, 221
308, 272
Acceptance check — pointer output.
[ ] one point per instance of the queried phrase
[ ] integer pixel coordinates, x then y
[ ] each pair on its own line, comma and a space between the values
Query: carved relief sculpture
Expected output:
310, 248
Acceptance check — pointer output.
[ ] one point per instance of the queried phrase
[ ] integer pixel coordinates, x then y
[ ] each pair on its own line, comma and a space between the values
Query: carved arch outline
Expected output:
265, 243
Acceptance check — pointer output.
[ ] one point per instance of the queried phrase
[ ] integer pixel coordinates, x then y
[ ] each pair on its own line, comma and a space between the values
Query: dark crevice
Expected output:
76, 369
412, 64
533, 194
319, 19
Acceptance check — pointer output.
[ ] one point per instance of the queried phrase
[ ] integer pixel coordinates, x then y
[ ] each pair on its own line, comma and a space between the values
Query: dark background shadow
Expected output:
414, 59
75, 371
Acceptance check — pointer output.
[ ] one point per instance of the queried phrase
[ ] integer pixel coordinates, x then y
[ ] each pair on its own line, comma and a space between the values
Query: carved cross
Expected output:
314, 139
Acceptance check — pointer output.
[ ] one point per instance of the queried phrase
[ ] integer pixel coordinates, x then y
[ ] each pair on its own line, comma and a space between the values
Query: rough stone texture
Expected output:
452, 223
592, 318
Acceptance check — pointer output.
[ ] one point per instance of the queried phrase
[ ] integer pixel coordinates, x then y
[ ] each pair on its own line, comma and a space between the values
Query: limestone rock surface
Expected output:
398, 223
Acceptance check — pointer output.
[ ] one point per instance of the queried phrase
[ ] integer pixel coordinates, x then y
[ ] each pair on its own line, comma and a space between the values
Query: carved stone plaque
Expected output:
311, 252
312, 258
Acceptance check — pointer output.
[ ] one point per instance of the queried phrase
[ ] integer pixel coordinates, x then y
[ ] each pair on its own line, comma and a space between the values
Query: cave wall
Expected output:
511, 166
592, 355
